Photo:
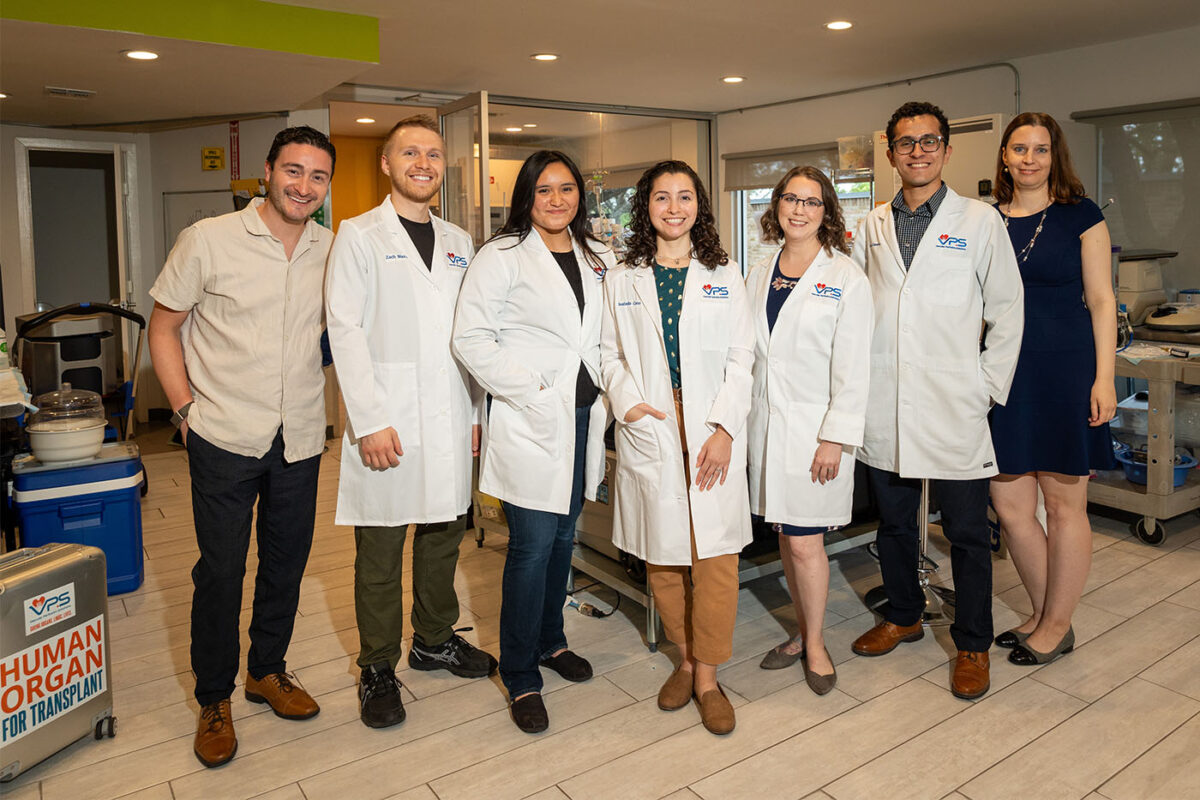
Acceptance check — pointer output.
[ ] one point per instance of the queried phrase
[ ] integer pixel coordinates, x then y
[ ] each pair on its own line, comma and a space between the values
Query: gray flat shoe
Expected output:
777, 658
820, 684
1025, 656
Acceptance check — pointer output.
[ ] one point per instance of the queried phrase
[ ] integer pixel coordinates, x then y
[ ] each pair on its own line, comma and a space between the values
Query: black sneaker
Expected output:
379, 703
456, 655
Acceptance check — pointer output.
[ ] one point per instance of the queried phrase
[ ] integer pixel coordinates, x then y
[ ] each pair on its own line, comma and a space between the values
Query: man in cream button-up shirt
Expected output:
235, 340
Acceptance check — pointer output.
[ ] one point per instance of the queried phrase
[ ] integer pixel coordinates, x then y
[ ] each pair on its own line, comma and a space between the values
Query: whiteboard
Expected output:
181, 209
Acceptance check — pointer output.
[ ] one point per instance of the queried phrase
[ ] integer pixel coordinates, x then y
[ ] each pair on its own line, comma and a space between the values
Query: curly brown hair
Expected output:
832, 233
643, 239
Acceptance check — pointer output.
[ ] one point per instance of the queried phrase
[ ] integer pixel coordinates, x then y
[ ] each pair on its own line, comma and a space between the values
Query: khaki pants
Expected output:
698, 604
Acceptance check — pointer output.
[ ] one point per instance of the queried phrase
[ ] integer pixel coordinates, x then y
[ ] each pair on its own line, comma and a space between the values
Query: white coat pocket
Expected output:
953, 285
537, 425
398, 385
640, 449
714, 324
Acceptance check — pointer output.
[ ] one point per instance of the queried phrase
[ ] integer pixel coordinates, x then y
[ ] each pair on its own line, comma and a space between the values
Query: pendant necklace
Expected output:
1023, 256
673, 263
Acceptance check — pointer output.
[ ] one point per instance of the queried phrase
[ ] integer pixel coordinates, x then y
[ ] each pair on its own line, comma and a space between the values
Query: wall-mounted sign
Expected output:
212, 158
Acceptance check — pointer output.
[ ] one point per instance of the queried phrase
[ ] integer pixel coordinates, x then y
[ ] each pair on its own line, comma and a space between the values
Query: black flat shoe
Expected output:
1011, 639
1025, 656
529, 713
572, 667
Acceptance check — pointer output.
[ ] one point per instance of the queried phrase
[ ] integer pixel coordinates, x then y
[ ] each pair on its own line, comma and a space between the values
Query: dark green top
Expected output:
670, 303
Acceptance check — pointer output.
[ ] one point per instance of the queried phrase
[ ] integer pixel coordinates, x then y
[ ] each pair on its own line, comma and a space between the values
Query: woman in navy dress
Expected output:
1054, 428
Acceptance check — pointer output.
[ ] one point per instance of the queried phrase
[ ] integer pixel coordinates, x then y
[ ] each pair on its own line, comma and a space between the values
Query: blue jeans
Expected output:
535, 580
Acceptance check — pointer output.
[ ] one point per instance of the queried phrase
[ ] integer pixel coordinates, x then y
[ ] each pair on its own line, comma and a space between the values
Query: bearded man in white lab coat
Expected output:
941, 269
390, 292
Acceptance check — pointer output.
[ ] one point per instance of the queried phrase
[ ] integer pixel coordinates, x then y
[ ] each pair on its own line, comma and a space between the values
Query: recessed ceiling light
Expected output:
365, 120
514, 130
839, 25
530, 125
3, 95
544, 57
140, 55
733, 79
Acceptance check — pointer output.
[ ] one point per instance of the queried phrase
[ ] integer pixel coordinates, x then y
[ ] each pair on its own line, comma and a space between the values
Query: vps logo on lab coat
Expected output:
948, 242
456, 261
715, 291
831, 292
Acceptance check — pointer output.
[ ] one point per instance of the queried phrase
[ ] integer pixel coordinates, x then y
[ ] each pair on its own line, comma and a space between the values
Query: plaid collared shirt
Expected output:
911, 225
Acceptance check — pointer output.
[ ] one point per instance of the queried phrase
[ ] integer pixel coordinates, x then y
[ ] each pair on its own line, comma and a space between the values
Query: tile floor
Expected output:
1117, 719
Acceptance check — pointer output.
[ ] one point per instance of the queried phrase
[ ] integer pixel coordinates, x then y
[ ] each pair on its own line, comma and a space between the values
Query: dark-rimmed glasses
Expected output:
929, 144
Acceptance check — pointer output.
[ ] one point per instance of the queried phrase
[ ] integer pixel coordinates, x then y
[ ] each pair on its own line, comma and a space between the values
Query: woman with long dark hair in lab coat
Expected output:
528, 328
676, 353
813, 320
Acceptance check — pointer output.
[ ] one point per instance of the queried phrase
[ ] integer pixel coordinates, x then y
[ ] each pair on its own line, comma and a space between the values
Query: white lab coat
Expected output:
810, 384
652, 505
389, 321
931, 387
517, 328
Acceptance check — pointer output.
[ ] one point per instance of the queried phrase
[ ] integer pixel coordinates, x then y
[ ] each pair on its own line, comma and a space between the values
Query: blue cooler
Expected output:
96, 502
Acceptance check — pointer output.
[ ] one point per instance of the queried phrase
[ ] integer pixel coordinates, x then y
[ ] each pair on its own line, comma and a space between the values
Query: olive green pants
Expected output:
379, 587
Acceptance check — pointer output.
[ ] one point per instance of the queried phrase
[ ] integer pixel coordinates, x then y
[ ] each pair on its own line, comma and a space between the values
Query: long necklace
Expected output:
1023, 256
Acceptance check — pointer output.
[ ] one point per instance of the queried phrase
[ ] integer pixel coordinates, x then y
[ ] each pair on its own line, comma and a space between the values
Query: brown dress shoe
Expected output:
970, 675
287, 698
716, 712
884, 637
677, 691
215, 740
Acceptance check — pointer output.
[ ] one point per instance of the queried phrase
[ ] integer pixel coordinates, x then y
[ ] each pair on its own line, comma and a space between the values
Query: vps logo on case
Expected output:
715, 291
948, 242
456, 261
50, 607
831, 292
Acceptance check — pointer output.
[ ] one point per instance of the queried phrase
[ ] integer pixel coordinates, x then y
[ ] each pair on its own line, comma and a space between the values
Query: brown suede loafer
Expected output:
215, 740
716, 712
677, 691
971, 677
884, 638
286, 698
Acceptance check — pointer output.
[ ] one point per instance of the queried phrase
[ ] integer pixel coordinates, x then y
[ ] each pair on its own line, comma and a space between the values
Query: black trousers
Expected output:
964, 521
225, 488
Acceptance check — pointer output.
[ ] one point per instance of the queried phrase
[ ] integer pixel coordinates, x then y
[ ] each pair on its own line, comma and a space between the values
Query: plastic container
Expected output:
1135, 471
97, 503
68, 425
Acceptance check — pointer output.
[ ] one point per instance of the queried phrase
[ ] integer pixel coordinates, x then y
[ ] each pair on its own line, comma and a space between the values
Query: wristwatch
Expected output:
181, 413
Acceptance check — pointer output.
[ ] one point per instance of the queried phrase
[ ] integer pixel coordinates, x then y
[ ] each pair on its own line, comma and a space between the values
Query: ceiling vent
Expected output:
63, 91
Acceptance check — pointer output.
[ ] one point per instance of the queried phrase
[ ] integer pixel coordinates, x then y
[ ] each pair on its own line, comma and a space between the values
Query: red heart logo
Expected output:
37, 602
943, 237
707, 286
820, 286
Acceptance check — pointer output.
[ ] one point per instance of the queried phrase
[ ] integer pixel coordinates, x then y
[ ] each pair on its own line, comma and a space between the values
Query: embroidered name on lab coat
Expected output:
456, 261
394, 256
629, 303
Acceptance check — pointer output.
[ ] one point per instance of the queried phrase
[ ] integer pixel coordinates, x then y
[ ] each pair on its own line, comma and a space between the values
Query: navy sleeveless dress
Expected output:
1043, 426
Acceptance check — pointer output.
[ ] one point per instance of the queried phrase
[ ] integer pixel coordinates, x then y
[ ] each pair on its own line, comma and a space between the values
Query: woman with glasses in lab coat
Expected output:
676, 353
813, 320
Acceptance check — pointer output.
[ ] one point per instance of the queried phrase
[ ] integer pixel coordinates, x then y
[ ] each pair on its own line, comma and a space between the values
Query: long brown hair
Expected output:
643, 240
1065, 186
831, 234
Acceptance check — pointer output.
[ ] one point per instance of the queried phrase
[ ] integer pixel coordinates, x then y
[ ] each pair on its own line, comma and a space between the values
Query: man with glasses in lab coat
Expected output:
941, 269
391, 288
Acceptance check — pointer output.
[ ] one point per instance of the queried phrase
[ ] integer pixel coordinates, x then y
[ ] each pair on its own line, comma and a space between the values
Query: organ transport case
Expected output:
54, 657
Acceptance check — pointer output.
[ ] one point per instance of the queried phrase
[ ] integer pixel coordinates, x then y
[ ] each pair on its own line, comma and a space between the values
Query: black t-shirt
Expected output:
585, 389
421, 234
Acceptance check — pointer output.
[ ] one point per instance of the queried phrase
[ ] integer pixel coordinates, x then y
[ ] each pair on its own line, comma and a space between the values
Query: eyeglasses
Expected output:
929, 144
790, 201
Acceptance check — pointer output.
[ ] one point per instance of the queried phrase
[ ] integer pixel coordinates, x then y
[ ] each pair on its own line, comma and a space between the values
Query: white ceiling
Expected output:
647, 53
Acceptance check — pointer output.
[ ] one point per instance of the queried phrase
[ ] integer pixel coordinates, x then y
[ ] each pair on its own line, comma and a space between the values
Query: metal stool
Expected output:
939, 601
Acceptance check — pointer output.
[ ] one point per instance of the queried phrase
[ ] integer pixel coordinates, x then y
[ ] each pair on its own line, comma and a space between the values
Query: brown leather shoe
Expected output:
971, 678
677, 691
287, 698
884, 638
716, 712
215, 740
